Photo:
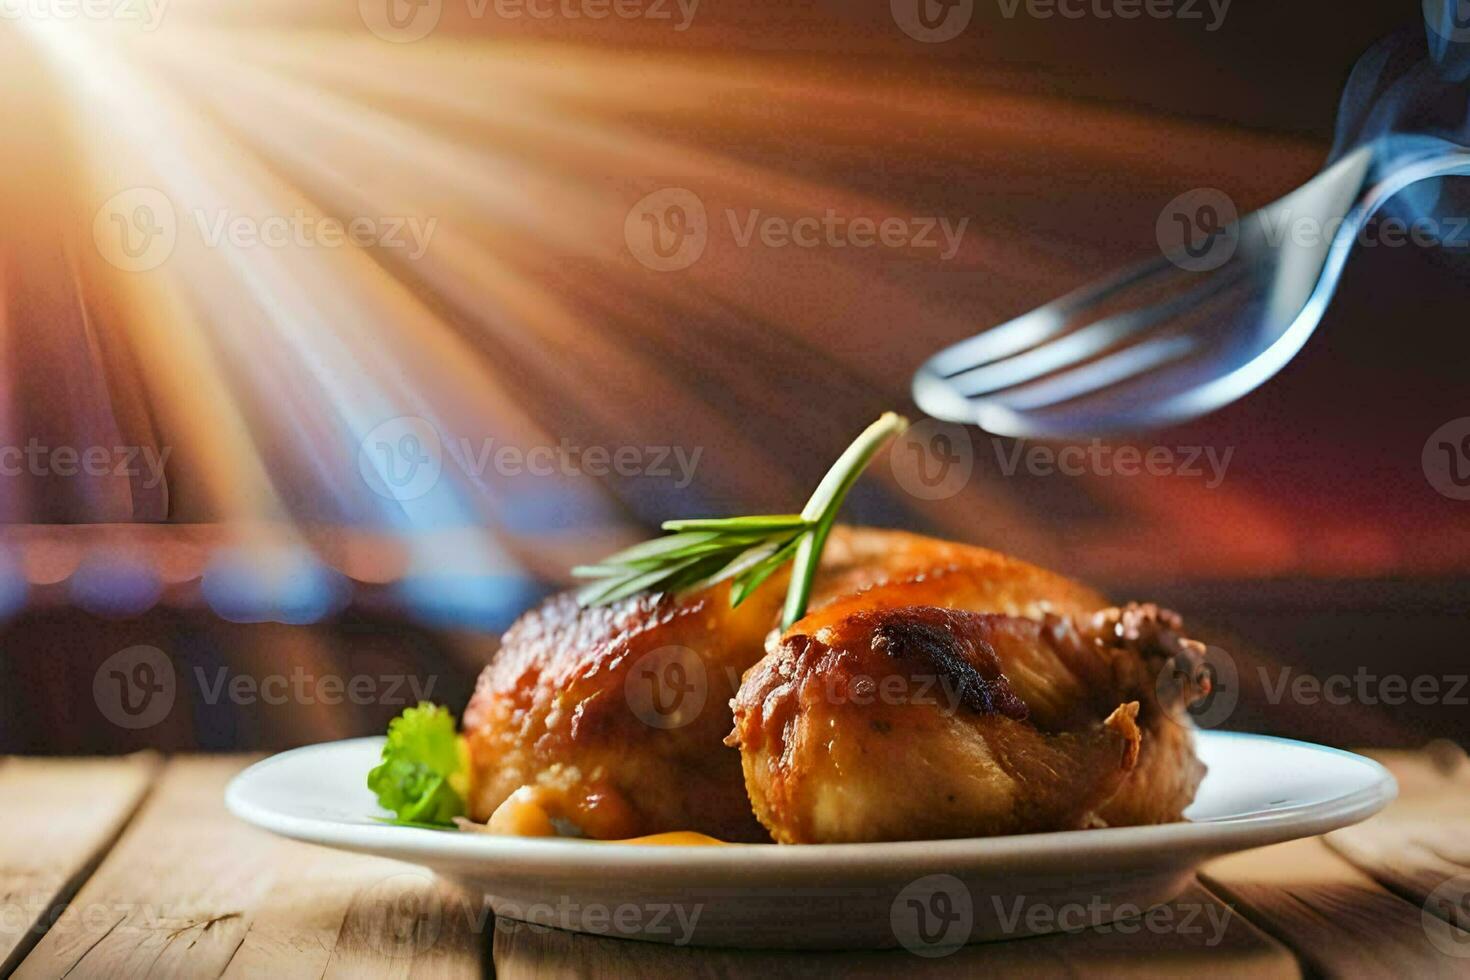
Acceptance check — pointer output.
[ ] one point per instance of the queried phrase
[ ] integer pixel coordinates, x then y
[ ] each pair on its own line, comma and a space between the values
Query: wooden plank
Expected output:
1233, 948
189, 891
60, 816
1341, 919
1419, 848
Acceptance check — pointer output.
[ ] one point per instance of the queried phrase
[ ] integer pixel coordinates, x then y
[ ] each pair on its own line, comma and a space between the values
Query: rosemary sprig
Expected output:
744, 550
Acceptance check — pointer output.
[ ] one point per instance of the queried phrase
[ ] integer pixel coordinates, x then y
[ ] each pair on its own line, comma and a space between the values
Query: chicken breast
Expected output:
875, 723
610, 722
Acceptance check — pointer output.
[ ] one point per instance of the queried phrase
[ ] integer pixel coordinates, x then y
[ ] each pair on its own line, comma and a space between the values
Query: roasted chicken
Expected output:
932, 690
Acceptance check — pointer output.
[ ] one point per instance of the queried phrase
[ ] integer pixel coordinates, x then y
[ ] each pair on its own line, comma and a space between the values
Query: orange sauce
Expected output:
673, 838
521, 816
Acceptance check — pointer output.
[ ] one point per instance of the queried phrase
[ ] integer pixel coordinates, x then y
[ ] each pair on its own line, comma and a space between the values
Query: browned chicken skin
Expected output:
918, 722
613, 720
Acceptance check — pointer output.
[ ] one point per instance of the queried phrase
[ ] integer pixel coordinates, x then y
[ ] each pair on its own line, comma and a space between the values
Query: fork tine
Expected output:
1103, 373
1038, 377
1086, 342
1038, 326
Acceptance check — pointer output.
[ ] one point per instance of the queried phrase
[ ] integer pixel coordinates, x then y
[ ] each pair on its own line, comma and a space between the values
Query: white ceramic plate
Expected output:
926, 895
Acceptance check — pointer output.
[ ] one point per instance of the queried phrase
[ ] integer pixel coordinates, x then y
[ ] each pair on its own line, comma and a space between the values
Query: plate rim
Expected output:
1166, 844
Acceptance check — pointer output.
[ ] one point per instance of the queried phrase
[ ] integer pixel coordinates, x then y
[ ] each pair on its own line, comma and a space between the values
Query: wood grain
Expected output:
187, 890
60, 816
1339, 921
190, 891
1420, 847
1201, 930
1338, 918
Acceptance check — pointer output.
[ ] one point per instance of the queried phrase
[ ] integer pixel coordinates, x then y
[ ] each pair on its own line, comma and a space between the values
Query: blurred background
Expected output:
334, 333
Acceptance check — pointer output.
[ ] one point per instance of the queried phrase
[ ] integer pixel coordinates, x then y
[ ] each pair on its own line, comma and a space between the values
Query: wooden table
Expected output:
131, 867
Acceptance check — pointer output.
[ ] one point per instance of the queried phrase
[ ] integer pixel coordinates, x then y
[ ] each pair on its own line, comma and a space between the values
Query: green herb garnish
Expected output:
745, 550
421, 762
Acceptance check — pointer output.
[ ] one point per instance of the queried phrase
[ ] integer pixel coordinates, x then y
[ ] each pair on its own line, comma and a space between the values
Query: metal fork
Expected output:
1179, 336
